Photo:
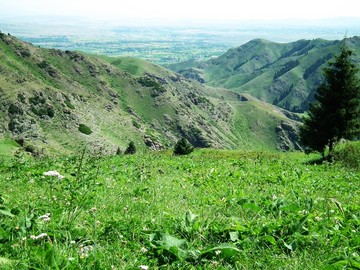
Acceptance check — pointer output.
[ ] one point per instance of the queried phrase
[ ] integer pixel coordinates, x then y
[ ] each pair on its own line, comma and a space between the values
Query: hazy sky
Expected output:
184, 9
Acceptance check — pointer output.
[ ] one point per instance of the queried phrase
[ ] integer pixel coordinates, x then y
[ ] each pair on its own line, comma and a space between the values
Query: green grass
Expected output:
7, 148
210, 210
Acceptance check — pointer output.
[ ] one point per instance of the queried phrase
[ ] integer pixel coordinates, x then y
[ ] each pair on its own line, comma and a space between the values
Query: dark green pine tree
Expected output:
183, 147
131, 149
335, 114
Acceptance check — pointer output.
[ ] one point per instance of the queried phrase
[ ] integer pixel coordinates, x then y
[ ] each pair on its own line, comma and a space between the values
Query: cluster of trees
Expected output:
182, 147
335, 114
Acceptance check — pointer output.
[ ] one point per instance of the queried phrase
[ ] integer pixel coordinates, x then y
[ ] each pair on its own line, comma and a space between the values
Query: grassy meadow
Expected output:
212, 209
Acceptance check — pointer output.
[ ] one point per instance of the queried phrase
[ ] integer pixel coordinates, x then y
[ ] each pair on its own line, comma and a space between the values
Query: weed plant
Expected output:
208, 210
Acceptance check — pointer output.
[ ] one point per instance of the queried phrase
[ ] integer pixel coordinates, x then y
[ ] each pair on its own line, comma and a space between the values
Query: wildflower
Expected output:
85, 250
71, 259
144, 250
45, 217
92, 209
40, 236
144, 267
54, 173
217, 252
72, 242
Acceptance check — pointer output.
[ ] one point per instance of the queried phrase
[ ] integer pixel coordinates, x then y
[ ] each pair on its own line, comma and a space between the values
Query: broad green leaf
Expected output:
226, 252
6, 212
251, 206
291, 207
269, 239
190, 217
291, 247
171, 241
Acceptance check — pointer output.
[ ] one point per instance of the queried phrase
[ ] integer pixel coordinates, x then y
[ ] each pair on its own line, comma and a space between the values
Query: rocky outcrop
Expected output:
152, 144
287, 135
193, 74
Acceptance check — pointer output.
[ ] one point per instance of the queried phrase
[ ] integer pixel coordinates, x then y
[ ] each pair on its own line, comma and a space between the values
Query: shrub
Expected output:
136, 124
15, 109
348, 155
131, 149
85, 129
183, 147
69, 104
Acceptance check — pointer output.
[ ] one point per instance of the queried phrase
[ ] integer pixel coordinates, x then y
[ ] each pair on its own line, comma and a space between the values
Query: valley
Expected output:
247, 197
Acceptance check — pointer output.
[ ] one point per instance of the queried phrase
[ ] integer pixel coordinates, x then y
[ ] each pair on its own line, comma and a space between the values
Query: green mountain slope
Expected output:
284, 74
53, 101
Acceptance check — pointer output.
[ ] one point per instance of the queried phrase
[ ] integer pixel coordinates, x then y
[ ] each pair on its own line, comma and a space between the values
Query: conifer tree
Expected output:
183, 147
335, 114
131, 149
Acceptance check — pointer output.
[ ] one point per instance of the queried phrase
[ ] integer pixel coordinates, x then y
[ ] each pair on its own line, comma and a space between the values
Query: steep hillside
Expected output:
284, 74
53, 101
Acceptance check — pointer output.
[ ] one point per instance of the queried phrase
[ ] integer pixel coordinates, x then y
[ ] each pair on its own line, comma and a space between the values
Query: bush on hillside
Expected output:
183, 147
131, 149
348, 155
85, 129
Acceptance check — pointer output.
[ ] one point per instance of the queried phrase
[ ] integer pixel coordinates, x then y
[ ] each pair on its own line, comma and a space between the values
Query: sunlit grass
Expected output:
210, 210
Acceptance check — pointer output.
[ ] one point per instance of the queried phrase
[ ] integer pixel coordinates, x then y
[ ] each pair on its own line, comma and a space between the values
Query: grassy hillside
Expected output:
284, 74
210, 210
48, 95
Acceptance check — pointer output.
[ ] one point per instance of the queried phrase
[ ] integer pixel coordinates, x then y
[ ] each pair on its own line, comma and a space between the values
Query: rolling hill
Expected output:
283, 74
53, 102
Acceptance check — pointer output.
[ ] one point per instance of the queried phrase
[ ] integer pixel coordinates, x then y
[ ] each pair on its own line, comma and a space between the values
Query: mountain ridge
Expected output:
283, 74
47, 94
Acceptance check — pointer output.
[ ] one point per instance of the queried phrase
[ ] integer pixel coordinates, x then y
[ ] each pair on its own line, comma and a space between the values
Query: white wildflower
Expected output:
217, 252
71, 259
54, 174
93, 210
45, 217
144, 267
85, 250
72, 242
303, 212
144, 250
40, 236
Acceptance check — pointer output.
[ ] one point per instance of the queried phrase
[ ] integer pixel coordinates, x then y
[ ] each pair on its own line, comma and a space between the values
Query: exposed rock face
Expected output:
153, 145
287, 136
193, 74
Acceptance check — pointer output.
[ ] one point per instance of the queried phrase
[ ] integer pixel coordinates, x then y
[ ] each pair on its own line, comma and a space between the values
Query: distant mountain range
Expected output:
53, 101
283, 74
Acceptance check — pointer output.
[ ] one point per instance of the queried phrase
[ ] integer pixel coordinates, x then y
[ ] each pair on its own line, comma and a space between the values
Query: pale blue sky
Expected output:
184, 9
